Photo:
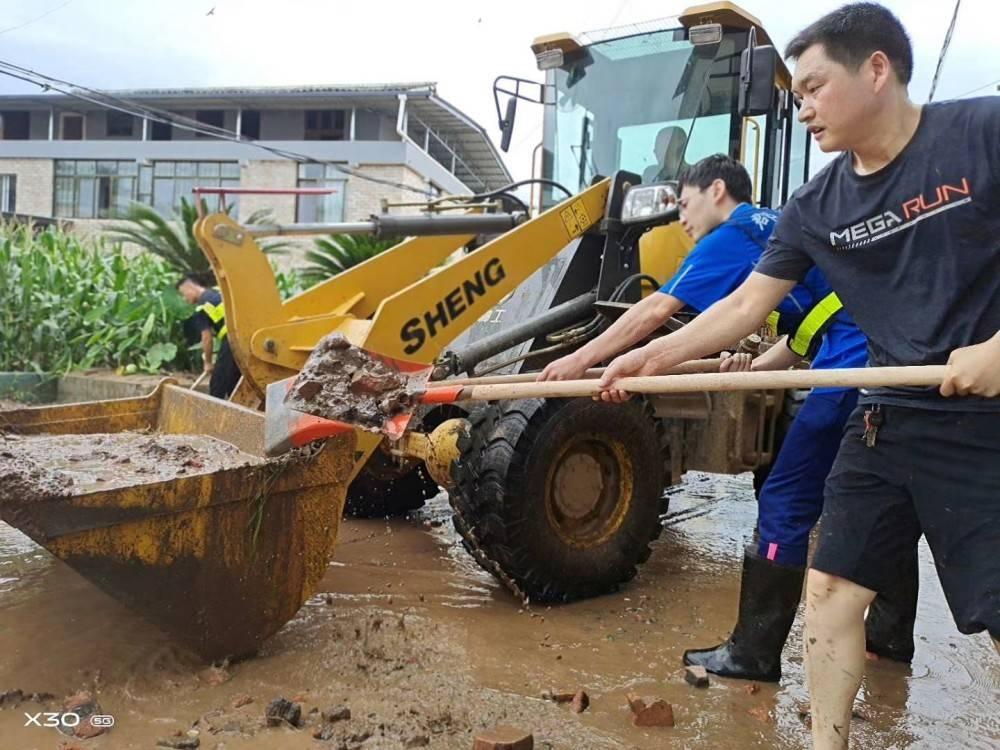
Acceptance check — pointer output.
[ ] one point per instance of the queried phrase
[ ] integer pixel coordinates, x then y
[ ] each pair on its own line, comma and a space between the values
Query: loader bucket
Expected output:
218, 559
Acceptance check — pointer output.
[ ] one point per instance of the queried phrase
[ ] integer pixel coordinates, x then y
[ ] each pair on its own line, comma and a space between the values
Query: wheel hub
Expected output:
589, 490
579, 484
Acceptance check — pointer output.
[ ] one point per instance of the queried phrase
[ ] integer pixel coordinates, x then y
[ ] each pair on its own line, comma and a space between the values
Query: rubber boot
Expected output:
769, 598
889, 624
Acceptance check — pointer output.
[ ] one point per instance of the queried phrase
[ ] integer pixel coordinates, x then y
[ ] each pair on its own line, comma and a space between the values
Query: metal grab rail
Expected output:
222, 192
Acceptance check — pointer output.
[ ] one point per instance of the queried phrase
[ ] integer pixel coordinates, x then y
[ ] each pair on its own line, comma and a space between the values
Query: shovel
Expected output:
197, 382
289, 425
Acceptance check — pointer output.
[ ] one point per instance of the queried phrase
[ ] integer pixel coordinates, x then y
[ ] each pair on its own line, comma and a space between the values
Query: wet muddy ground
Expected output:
424, 649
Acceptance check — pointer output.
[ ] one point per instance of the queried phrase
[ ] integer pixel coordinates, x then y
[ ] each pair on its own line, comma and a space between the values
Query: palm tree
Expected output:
338, 252
174, 241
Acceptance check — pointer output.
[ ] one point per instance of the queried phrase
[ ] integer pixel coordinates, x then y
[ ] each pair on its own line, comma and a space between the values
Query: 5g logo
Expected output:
67, 720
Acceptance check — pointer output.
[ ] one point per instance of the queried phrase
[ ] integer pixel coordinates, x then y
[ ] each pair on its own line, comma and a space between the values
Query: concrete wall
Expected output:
282, 125
271, 174
367, 125
35, 184
38, 125
387, 129
364, 197
95, 125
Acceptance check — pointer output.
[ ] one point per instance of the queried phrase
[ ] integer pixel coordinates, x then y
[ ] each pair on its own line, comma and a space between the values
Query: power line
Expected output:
618, 12
109, 101
944, 51
36, 18
978, 88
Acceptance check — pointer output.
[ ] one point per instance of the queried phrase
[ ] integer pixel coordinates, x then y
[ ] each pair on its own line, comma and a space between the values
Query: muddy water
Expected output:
419, 643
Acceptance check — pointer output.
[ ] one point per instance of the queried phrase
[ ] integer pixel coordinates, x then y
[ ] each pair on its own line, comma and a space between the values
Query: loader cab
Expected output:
653, 99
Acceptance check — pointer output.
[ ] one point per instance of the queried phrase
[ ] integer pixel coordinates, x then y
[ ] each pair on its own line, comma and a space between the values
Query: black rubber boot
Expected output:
889, 624
769, 598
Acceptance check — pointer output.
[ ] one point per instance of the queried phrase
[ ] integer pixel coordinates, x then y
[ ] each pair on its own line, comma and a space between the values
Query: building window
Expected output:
250, 124
119, 125
326, 124
15, 126
70, 126
8, 192
160, 131
321, 208
173, 180
94, 189
214, 117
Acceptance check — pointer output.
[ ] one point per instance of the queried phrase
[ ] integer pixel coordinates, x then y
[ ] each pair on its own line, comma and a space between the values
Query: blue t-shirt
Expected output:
725, 257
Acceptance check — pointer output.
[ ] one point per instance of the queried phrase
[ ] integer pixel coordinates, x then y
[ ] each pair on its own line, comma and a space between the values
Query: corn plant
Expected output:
69, 304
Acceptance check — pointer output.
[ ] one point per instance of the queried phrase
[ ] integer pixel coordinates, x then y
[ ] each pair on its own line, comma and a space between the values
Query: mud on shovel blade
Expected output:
285, 428
343, 386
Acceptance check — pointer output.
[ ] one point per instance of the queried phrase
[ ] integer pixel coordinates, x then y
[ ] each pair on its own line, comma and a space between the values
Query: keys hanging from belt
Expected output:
873, 420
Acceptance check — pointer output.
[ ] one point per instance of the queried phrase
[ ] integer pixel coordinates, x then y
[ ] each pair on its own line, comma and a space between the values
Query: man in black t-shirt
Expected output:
905, 225
209, 322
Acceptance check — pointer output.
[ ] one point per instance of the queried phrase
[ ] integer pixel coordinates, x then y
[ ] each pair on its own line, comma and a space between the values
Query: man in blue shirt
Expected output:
715, 197
731, 234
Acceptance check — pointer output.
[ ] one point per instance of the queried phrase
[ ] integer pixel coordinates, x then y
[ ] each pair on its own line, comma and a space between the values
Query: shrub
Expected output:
338, 252
173, 240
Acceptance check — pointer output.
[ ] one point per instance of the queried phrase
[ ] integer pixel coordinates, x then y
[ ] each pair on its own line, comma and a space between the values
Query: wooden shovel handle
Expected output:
695, 365
861, 377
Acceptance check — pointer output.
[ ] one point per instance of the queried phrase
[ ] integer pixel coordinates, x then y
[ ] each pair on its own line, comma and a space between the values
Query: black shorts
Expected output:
930, 472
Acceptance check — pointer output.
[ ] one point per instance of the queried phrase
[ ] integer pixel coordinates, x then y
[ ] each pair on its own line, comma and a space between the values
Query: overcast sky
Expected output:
462, 45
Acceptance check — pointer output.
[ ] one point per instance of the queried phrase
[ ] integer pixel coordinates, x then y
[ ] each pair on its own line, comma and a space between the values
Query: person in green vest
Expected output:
209, 321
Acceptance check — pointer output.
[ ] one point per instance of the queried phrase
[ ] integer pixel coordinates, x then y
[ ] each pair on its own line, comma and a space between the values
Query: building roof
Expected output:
333, 89
463, 134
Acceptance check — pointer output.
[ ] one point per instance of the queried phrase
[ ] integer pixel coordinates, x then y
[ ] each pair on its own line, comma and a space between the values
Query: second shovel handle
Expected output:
860, 377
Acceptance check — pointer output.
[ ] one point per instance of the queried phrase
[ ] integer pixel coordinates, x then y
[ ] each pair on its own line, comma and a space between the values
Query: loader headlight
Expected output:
645, 203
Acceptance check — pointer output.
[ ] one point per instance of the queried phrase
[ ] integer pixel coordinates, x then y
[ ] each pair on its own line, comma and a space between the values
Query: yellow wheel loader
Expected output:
559, 499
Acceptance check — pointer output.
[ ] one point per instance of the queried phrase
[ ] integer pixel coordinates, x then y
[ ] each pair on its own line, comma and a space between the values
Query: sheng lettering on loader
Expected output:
417, 330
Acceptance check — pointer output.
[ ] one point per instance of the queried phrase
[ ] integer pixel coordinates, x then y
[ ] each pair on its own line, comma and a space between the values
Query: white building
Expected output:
64, 158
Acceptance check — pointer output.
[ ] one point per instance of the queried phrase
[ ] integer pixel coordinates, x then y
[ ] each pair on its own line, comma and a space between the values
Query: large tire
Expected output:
388, 486
560, 499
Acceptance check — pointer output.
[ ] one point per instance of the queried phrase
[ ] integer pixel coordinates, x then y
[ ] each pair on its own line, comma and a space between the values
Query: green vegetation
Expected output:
339, 252
174, 240
69, 304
